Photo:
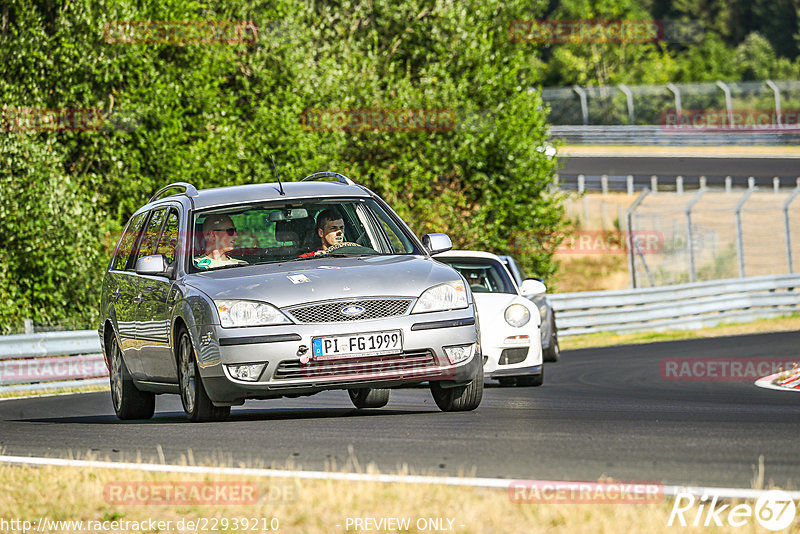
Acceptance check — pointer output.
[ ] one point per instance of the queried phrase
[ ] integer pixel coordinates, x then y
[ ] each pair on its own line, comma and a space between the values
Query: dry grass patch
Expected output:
316, 506
48, 391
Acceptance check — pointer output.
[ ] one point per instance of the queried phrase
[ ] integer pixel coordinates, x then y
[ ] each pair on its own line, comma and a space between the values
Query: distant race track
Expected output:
601, 412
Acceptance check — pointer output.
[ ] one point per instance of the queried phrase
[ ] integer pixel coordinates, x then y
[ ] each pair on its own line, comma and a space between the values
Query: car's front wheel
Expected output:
459, 399
369, 397
196, 404
129, 402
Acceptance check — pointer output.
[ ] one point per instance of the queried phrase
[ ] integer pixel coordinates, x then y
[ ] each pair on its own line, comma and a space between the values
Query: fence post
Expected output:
581, 184
775, 90
751, 183
787, 228
629, 216
28, 326
728, 184
629, 181
677, 92
702, 182
739, 240
654, 184
679, 184
584, 105
690, 236
776, 185
629, 98
728, 105
604, 184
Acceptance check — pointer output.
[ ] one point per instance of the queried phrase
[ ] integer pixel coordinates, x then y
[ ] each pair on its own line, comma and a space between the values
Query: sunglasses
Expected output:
229, 231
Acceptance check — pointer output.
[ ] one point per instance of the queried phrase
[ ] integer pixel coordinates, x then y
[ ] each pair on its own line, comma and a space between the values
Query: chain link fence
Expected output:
710, 105
711, 235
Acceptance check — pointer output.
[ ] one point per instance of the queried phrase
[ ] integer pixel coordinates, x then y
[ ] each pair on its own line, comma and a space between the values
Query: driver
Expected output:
330, 228
219, 236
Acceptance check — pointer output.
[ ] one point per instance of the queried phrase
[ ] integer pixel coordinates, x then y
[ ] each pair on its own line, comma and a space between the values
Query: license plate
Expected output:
369, 344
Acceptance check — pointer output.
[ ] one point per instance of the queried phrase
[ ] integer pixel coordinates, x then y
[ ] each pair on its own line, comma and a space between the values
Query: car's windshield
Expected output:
295, 230
483, 275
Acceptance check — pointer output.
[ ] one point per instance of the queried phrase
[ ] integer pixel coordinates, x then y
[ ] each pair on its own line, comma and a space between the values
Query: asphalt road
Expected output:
601, 412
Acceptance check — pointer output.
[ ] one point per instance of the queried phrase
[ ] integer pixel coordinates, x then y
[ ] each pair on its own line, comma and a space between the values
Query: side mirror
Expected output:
155, 264
531, 287
436, 243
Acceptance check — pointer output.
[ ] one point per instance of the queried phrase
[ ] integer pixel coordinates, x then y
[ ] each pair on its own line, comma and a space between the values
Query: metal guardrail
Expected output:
68, 359
685, 306
658, 135
51, 359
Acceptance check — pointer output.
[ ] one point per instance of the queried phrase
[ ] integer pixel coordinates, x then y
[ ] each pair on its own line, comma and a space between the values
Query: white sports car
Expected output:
509, 322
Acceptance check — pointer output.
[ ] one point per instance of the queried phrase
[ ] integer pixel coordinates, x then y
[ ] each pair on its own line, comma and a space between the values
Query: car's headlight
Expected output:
447, 296
517, 315
234, 313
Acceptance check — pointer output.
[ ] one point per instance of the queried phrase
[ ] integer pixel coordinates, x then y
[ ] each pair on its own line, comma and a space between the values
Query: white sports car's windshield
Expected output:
294, 230
483, 275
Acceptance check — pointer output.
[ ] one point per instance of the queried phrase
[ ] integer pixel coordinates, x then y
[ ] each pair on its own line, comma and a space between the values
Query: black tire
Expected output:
533, 380
128, 401
553, 352
461, 398
369, 398
196, 404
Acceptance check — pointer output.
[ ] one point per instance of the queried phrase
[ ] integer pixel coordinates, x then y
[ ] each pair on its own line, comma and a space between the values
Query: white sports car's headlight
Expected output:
447, 296
517, 315
234, 313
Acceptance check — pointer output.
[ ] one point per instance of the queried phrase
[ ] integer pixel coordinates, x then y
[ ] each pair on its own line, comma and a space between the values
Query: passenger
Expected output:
330, 229
219, 237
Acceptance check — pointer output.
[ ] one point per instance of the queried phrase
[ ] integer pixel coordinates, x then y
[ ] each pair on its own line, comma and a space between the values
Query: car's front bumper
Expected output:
512, 359
280, 348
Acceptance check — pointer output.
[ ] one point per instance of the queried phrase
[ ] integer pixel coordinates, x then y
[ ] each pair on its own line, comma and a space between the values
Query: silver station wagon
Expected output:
282, 290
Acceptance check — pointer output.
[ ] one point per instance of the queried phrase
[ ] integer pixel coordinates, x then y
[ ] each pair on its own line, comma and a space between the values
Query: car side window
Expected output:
151, 233
168, 243
127, 242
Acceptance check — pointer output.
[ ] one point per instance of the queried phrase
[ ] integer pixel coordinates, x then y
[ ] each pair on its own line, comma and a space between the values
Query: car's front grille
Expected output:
361, 310
416, 362
509, 356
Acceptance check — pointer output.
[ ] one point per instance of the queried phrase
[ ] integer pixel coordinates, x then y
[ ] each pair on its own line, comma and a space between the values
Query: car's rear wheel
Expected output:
128, 401
461, 398
369, 397
196, 404
533, 380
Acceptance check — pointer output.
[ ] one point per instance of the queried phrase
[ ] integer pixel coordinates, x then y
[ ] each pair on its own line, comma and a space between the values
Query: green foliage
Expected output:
211, 114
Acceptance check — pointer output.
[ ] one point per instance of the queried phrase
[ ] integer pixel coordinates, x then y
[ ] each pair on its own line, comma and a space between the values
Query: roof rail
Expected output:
188, 189
328, 174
